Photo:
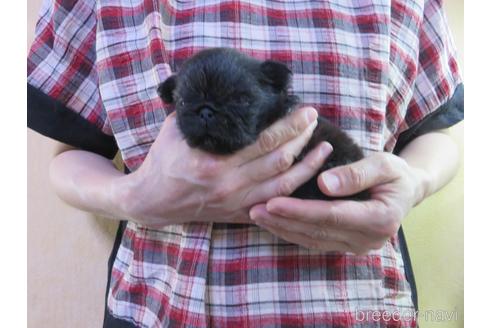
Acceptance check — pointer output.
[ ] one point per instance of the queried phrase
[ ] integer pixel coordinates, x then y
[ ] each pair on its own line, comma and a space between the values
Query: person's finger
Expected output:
286, 183
300, 238
277, 134
371, 217
353, 178
276, 162
311, 229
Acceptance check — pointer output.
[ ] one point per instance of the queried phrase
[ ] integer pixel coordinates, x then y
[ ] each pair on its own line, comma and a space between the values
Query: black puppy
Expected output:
224, 99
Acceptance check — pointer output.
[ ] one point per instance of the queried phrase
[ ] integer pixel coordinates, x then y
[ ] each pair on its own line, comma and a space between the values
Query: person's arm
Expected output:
396, 184
178, 184
174, 183
86, 181
436, 156
423, 167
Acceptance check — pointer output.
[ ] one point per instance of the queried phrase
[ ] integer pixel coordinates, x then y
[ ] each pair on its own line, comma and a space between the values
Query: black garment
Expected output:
53, 119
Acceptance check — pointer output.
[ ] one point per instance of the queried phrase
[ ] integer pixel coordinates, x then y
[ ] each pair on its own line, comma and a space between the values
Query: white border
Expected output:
13, 166
478, 215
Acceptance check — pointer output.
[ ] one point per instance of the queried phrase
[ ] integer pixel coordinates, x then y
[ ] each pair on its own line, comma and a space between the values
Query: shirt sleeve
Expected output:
438, 92
63, 100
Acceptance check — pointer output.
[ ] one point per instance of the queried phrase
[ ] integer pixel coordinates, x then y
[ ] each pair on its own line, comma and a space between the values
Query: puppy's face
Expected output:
224, 99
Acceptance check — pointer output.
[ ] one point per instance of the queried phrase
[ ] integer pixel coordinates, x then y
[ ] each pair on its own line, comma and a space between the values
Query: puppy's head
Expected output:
224, 99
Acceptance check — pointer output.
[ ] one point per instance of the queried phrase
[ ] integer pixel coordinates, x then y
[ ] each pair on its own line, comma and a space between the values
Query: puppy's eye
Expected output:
181, 102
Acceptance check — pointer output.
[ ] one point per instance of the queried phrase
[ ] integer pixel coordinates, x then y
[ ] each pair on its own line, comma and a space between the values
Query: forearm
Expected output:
435, 158
88, 182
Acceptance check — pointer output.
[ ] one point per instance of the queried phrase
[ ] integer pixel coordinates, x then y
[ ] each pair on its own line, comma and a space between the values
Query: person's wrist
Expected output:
129, 200
422, 185
123, 195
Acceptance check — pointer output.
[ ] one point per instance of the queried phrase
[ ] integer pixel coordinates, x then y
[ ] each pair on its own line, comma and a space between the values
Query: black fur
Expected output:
225, 99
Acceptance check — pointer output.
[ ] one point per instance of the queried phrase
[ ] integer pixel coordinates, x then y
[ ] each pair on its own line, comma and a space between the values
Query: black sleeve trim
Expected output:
53, 119
444, 117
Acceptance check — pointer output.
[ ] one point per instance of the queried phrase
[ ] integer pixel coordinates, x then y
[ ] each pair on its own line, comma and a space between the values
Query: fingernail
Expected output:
256, 215
253, 215
313, 125
311, 114
326, 149
331, 181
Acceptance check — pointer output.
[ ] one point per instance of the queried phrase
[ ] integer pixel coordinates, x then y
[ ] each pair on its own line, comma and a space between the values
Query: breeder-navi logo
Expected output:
410, 315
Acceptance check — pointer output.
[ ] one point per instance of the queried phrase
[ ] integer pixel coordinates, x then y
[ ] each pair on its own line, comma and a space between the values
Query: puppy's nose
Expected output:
206, 114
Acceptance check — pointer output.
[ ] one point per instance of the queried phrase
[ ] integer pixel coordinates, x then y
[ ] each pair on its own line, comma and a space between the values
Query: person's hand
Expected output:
177, 184
347, 225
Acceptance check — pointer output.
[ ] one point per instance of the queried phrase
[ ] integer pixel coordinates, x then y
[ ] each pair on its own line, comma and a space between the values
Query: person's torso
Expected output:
347, 59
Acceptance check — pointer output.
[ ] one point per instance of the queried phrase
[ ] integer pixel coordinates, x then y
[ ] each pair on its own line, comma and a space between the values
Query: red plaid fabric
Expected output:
373, 67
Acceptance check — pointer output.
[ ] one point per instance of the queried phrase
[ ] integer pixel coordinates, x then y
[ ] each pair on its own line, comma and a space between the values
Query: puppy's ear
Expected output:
166, 88
276, 74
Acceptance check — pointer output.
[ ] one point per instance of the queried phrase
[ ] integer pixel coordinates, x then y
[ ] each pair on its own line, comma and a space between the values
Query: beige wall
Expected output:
68, 249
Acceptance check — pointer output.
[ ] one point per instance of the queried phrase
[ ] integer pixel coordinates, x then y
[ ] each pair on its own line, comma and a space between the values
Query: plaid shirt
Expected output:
373, 67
